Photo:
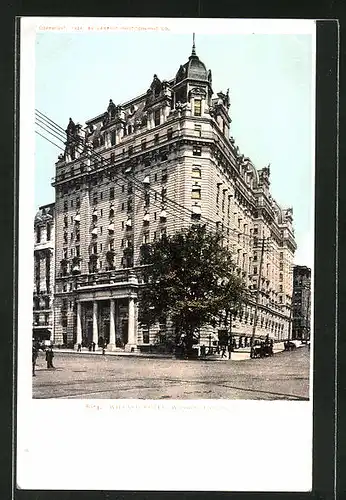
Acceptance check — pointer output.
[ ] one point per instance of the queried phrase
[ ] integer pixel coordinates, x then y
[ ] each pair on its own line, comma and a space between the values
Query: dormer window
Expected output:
163, 215
157, 117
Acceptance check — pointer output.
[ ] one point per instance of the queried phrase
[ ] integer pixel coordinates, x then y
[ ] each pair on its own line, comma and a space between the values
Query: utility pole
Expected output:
290, 322
230, 336
257, 298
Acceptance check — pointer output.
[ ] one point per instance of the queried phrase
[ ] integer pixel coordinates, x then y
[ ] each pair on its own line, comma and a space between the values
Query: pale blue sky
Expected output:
269, 77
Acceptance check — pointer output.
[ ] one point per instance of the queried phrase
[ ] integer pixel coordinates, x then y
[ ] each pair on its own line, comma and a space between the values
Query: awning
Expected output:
75, 268
163, 214
77, 218
95, 212
146, 218
128, 170
146, 180
111, 227
196, 209
196, 188
94, 231
129, 223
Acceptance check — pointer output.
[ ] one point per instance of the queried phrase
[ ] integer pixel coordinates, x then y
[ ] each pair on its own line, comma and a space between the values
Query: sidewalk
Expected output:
238, 355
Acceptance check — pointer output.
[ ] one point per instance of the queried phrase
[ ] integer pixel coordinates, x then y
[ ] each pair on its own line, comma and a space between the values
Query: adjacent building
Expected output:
149, 167
44, 264
301, 309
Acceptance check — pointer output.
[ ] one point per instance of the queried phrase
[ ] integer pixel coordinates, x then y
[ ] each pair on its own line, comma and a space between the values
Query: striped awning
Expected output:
94, 231
77, 218
111, 227
129, 223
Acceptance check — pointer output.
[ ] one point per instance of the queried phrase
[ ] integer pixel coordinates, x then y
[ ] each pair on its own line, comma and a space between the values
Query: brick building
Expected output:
43, 313
301, 307
149, 167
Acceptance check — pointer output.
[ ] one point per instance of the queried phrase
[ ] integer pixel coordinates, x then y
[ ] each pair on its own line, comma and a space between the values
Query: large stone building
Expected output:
301, 307
44, 263
149, 167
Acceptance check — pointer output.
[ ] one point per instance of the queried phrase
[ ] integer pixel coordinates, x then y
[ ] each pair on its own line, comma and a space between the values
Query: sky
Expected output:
269, 77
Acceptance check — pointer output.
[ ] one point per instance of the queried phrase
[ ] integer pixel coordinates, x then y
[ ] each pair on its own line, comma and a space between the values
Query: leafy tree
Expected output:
190, 278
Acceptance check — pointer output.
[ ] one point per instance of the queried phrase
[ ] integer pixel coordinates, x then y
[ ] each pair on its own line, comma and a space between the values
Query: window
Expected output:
129, 187
281, 255
130, 150
198, 130
101, 195
164, 175
146, 237
196, 193
169, 134
71, 252
280, 277
157, 117
154, 215
163, 194
156, 138
100, 247
122, 243
101, 230
197, 151
65, 221
95, 199
78, 202
112, 157
48, 232
71, 220
255, 270
196, 173
143, 144
123, 206
111, 193
122, 225
101, 212
77, 251
281, 266
255, 257
71, 203
155, 177
113, 138
123, 188
280, 288
154, 236
129, 205
65, 205
197, 110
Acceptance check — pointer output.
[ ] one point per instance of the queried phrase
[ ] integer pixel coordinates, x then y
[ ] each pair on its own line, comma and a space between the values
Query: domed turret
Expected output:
194, 68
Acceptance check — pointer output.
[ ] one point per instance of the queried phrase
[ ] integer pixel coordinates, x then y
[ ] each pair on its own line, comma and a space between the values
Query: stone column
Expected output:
95, 325
79, 324
132, 327
111, 345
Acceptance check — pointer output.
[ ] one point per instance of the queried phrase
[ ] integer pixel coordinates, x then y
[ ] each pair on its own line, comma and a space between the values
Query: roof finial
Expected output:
193, 53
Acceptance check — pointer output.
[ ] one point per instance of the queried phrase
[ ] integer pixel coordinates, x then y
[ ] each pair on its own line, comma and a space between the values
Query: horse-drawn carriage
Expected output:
262, 349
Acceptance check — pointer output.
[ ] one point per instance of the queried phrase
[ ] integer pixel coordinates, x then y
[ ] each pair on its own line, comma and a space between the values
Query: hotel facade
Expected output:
152, 166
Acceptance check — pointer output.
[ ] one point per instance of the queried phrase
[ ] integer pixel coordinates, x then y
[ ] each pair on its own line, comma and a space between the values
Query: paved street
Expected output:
83, 376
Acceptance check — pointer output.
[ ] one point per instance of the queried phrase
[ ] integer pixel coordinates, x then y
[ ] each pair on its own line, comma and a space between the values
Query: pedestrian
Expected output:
34, 358
79, 348
223, 352
49, 357
94, 345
